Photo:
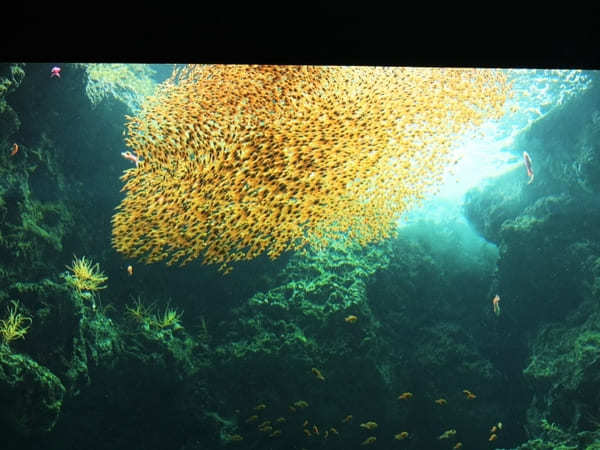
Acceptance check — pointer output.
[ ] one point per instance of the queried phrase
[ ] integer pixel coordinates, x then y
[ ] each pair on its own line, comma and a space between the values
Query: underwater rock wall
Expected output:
62, 356
546, 231
548, 268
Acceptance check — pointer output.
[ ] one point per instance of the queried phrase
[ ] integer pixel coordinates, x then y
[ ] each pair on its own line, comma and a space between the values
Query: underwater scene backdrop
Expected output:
299, 257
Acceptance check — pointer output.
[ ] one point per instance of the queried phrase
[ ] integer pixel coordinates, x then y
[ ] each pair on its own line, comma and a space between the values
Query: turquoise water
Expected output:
322, 348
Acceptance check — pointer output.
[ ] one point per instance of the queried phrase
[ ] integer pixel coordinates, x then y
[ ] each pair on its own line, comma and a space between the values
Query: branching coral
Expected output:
241, 160
86, 277
15, 326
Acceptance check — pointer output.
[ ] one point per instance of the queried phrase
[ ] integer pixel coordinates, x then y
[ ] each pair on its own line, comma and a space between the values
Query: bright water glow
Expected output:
488, 154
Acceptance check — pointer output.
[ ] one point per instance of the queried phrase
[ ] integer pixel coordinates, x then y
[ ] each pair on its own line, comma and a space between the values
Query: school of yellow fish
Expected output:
236, 160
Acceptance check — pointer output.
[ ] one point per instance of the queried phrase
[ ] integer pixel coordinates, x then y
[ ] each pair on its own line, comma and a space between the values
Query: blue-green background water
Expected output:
90, 374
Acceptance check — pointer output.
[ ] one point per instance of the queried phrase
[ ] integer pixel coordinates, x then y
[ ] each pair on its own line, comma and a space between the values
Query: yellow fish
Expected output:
318, 373
469, 394
370, 425
401, 436
405, 396
368, 441
351, 318
446, 434
441, 401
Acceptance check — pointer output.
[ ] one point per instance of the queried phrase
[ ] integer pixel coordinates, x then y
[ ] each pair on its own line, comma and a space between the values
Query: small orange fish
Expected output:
370, 425
493, 429
15, 149
496, 304
315, 429
129, 270
457, 445
441, 401
405, 396
317, 373
493, 437
351, 319
401, 436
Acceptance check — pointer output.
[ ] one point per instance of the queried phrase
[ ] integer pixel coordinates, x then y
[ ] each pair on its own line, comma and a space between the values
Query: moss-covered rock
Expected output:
563, 371
31, 395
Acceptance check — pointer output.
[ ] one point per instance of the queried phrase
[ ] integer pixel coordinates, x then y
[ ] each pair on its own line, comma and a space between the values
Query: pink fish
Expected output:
131, 157
55, 72
527, 160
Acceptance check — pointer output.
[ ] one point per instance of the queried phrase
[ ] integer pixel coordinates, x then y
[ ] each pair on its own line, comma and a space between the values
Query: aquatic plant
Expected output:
139, 312
170, 318
145, 315
15, 326
86, 276
244, 160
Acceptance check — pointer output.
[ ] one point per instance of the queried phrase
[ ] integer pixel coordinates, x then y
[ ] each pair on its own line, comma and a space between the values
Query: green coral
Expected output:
15, 326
